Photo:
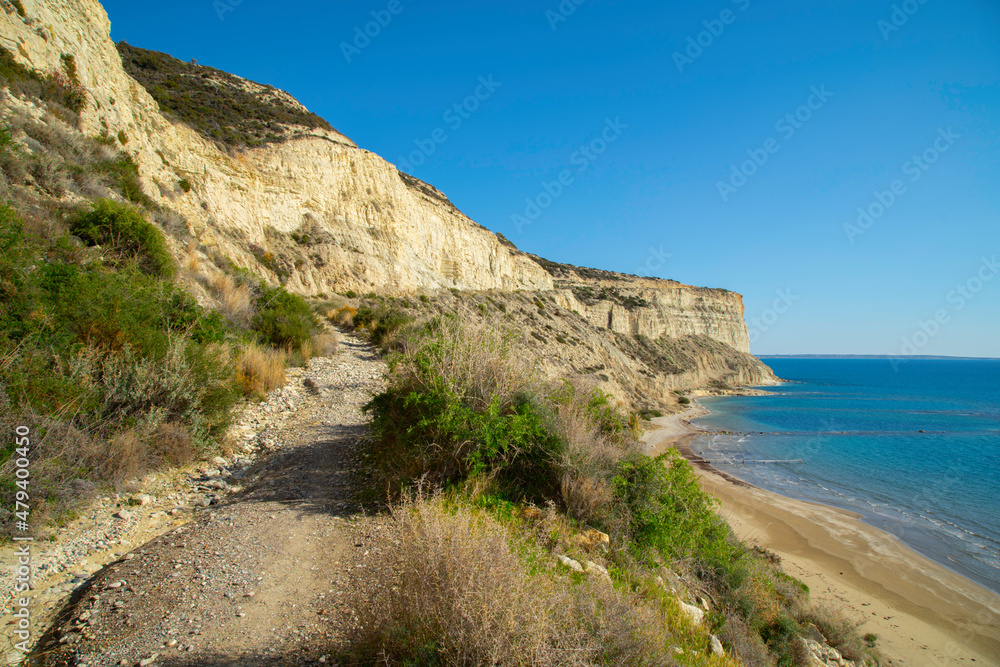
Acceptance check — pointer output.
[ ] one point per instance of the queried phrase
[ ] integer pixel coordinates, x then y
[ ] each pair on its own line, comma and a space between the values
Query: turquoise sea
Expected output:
914, 449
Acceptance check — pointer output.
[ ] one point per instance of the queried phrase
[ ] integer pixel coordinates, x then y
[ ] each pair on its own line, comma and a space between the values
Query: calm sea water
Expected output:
915, 452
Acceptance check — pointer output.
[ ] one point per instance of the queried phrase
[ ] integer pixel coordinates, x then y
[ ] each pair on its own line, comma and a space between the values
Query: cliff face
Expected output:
664, 309
321, 215
375, 230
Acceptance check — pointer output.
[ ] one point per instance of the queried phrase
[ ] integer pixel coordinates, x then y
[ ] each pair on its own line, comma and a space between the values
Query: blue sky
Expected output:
820, 108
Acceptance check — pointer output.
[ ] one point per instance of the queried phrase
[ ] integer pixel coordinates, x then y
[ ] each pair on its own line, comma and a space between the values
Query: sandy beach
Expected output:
924, 614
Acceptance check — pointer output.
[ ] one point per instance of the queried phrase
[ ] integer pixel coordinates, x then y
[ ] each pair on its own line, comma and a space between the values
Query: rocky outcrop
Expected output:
643, 372
663, 308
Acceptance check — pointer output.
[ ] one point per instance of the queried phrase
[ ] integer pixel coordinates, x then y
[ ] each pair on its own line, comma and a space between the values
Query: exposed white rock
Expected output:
692, 612
590, 567
570, 563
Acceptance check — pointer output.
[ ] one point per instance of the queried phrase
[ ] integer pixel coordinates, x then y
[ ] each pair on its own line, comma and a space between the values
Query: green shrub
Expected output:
382, 323
69, 66
663, 512
123, 228
459, 404
18, 296
123, 175
283, 319
104, 356
6, 140
684, 400
185, 184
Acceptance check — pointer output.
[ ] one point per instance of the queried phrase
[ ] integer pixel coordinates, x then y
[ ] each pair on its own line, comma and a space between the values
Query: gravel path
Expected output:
254, 579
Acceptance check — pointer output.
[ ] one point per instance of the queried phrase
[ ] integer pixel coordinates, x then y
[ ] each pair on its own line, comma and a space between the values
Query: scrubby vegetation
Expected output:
498, 472
102, 356
131, 236
425, 189
113, 364
214, 103
51, 156
589, 296
117, 367
462, 587
61, 88
283, 319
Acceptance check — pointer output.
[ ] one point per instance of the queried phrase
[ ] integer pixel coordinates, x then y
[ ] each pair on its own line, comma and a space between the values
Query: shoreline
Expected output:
923, 613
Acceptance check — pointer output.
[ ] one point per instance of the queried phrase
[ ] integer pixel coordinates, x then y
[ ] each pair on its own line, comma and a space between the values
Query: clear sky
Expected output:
726, 144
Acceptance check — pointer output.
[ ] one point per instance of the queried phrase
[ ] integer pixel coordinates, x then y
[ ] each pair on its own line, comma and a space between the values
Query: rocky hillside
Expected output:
652, 353
263, 184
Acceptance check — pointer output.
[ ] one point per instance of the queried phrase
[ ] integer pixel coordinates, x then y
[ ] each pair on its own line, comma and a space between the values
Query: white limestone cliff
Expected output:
369, 228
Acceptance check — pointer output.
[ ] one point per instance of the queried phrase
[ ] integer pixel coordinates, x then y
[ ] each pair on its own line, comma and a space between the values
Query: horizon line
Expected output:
874, 356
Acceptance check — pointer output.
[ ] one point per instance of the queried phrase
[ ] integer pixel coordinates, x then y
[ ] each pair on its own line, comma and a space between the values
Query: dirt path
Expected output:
255, 579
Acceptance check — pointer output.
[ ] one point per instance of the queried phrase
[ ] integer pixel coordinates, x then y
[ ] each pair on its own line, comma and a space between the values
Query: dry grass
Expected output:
127, 456
745, 643
477, 362
450, 590
61, 452
590, 459
326, 344
585, 498
303, 354
625, 628
191, 261
321, 345
840, 632
589, 452
172, 443
261, 370
235, 301
342, 317
453, 586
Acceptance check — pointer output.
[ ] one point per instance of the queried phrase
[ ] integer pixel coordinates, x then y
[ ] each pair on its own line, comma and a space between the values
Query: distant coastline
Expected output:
922, 357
